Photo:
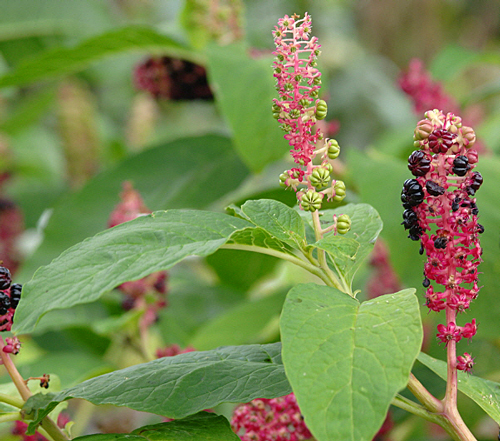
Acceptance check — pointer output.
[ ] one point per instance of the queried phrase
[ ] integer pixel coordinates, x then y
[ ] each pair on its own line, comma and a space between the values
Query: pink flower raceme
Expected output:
298, 109
425, 93
276, 419
441, 212
131, 207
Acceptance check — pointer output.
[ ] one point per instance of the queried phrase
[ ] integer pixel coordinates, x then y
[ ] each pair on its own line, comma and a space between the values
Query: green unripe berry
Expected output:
317, 81
333, 149
339, 188
321, 109
328, 166
343, 224
294, 113
283, 178
304, 102
313, 94
310, 201
320, 177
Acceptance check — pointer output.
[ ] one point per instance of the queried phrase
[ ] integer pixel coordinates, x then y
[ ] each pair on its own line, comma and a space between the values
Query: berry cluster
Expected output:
10, 294
173, 79
277, 419
441, 212
131, 207
298, 110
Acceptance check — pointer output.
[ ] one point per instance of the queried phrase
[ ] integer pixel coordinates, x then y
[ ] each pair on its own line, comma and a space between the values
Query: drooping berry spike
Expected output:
441, 212
298, 109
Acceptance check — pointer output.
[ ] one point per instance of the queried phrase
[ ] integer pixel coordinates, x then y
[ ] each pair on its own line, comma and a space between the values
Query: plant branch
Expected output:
13, 401
429, 401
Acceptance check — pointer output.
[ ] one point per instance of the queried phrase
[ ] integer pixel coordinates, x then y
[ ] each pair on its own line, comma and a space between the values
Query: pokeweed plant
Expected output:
345, 361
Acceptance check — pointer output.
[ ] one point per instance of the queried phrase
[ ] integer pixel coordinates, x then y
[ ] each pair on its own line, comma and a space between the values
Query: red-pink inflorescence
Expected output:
425, 93
131, 207
298, 109
441, 212
276, 419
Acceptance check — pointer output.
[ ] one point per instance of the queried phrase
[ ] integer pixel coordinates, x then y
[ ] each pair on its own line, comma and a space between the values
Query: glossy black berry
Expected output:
476, 181
440, 242
410, 218
480, 229
415, 232
419, 163
4, 303
426, 282
412, 193
434, 189
15, 294
421, 250
460, 165
441, 140
455, 204
5, 278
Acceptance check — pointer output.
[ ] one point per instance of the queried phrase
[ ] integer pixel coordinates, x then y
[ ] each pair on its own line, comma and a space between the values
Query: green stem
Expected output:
417, 409
13, 401
11, 416
424, 396
289, 257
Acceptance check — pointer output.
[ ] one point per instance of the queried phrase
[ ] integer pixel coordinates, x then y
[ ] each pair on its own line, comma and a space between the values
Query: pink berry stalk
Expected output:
441, 212
277, 419
298, 109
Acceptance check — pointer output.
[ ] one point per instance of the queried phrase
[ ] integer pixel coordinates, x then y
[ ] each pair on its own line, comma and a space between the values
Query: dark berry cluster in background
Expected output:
173, 79
10, 294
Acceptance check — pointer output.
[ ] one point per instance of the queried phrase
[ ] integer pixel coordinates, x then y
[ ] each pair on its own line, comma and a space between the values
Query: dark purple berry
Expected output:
441, 140
434, 189
4, 303
470, 191
415, 232
461, 165
5, 278
419, 163
480, 229
426, 282
440, 242
410, 218
476, 181
412, 193
421, 250
455, 204
15, 294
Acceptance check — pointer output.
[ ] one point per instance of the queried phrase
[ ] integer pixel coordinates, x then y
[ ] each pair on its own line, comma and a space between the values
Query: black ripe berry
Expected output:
480, 229
455, 204
419, 163
460, 165
412, 194
434, 189
476, 181
440, 242
410, 218
421, 250
415, 232
441, 140
4, 303
15, 294
5, 278
426, 282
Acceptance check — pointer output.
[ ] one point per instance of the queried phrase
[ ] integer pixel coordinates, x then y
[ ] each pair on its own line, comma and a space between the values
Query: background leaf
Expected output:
62, 61
191, 181
484, 392
237, 78
203, 426
179, 386
345, 360
128, 251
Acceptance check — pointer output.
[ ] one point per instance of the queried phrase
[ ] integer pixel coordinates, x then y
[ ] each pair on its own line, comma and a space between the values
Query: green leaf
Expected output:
485, 393
126, 252
245, 89
63, 61
240, 325
351, 249
258, 238
345, 360
192, 180
179, 386
203, 426
281, 221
